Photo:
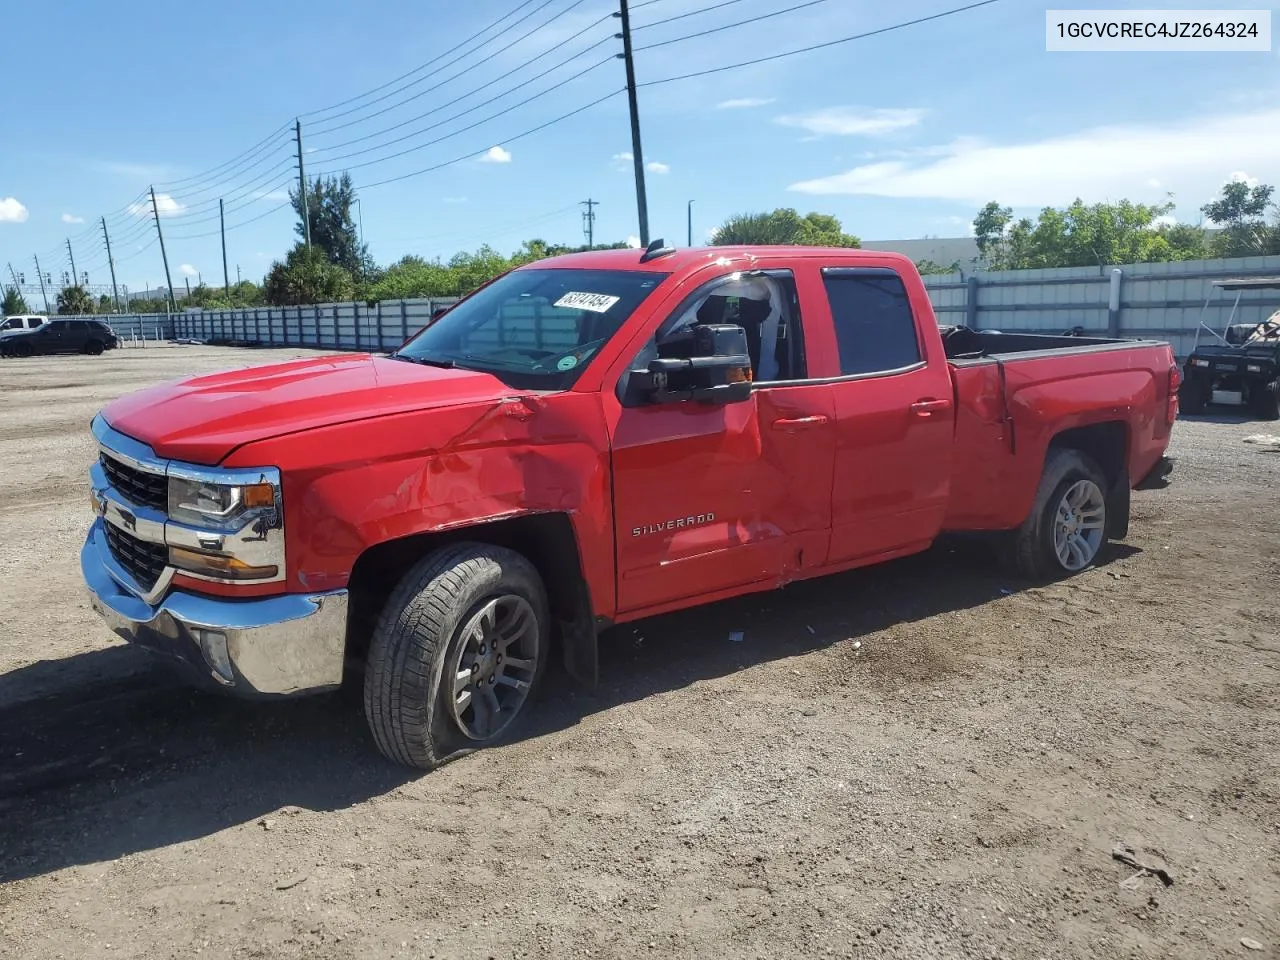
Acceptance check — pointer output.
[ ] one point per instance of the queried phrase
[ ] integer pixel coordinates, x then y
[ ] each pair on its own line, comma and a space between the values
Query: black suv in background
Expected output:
60, 336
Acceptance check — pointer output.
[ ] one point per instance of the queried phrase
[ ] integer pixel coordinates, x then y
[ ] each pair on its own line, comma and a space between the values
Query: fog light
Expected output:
213, 645
1253, 368
218, 565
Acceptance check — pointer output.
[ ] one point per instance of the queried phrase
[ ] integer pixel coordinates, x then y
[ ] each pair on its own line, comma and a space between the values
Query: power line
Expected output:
730, 26
483, 86
233, 226
472, 126
680, 16
213, 170
414, 83
471, 154
422, 93
820, 46
417, 69
473, 109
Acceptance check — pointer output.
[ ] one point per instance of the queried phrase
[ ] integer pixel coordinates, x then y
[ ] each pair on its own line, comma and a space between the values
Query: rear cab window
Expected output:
874, 325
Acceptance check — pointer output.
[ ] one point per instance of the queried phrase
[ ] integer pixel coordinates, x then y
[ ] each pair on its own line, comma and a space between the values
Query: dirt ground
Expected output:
918, 760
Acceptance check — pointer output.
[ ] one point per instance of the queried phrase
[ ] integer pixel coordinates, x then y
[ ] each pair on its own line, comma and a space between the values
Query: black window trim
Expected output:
780, 273
923, 362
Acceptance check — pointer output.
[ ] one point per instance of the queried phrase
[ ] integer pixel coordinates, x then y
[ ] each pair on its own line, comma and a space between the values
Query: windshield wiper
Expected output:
425, 361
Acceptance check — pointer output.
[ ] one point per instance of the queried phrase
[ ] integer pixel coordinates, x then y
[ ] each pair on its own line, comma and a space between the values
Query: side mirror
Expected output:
718, 369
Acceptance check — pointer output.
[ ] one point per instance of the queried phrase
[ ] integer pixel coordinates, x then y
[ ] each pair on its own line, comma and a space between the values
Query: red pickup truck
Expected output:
585, 441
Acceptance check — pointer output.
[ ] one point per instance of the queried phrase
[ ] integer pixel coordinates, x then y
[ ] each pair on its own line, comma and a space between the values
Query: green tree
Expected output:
105, 304
927, 266
1241, 211
329, 202
14, 302
74, 300
307, 276
1083, 234
784, 226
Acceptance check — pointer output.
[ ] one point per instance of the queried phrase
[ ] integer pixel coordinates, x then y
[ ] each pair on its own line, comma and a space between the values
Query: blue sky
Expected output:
901, 135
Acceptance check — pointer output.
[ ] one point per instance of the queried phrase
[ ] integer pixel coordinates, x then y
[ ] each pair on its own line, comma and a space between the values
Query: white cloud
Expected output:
742, 103
653, 166
625, 157
1185, 157
633, 241
1241, 177
11, 211
1167, 220
853, 121
496, 155
187, 270
455, 199
165, 204
71, 218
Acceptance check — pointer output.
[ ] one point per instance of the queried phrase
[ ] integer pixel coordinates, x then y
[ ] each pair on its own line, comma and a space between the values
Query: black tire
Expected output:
410, 709
1193, 396
22, 350
1268, 401
94, 348
1033, 554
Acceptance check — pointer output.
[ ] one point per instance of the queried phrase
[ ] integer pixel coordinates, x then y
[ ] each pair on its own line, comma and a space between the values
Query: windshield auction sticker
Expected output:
595, 302
1138, 31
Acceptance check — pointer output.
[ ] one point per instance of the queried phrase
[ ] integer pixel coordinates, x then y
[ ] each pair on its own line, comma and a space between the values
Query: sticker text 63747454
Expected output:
595, 302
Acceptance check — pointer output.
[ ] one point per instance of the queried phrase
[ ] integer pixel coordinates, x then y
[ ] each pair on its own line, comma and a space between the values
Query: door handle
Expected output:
927, 408
795, 423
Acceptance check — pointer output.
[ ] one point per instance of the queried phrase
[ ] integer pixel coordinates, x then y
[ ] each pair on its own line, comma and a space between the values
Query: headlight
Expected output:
203, 503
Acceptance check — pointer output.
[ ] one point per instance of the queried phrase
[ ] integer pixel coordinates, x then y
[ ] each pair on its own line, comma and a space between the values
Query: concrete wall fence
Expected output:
1164, 301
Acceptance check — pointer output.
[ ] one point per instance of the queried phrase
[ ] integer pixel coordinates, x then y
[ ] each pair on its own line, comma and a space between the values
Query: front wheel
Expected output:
1067, 525
93, 348
458, 651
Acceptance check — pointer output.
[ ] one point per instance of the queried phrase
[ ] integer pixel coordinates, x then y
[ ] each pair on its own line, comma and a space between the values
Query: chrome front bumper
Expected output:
285, 645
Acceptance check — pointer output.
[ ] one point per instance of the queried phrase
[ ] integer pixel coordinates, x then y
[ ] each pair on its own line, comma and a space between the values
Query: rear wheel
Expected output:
1267, 401
1193, 396
1067, 525
459, 649
22, 350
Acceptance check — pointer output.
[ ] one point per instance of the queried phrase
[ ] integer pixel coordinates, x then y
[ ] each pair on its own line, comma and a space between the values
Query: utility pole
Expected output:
237, 274
168, 281
637, 155
226, 282
114, 292
691, 223
360, 209
75, 278
17, 286
40, 277
188, 282
589, 221
302, 184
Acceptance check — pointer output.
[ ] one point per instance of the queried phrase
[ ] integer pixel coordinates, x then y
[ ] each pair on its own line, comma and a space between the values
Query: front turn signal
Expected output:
218, 565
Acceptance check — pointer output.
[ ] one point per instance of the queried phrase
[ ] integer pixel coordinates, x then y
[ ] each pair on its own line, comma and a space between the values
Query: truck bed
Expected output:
1016, 392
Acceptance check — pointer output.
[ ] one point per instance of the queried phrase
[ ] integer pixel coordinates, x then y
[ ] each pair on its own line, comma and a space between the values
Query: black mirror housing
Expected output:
718, 372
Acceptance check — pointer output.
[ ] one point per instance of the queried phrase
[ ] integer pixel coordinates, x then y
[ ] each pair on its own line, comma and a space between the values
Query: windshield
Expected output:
534, 329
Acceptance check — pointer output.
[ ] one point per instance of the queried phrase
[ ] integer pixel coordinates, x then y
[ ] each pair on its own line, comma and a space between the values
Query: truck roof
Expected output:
689, 258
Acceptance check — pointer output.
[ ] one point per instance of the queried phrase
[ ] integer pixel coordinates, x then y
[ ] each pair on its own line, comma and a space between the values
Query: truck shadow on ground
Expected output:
113, 756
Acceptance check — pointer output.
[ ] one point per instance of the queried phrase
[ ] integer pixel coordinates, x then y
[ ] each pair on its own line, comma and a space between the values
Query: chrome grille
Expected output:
137, 486
144, 561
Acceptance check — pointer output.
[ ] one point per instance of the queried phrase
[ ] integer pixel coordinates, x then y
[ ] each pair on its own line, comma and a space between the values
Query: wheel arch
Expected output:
1106, 443
547, 540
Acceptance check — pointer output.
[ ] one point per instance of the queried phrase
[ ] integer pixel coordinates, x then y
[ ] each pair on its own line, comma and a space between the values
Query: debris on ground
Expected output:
291, 882
1263, 440
1148, 864
1250, 944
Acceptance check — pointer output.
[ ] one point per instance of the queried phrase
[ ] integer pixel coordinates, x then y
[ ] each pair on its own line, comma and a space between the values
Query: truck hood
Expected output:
202, 419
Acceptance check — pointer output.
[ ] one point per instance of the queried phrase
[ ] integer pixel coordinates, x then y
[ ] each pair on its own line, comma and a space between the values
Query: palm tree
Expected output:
75, 300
